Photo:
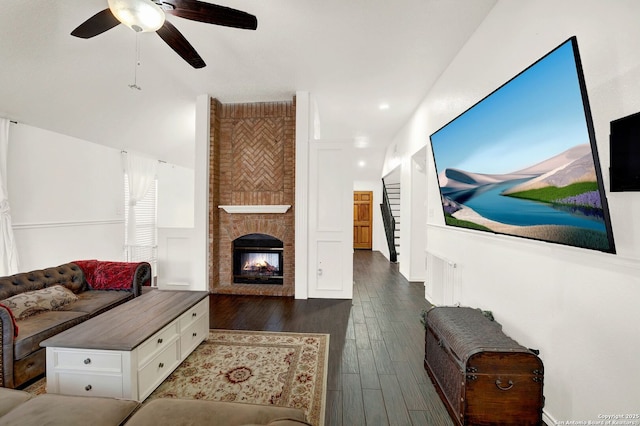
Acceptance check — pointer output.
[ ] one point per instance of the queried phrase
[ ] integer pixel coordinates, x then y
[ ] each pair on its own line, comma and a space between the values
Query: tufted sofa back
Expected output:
69, 275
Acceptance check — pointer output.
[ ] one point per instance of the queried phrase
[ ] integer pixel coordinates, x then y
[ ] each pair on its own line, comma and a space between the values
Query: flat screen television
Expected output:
523, 160
624, 150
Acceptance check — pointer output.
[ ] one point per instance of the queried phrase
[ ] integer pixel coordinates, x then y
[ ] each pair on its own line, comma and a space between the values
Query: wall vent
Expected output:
442, 286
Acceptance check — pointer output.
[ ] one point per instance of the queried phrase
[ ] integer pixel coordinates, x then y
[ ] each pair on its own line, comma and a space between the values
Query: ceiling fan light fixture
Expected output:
139, 15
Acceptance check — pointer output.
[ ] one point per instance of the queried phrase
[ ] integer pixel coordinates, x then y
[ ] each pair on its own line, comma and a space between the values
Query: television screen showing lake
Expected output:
523, 161
491, 204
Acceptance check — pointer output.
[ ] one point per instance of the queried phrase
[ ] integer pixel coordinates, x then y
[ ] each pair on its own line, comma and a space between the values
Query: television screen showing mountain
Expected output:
523, 161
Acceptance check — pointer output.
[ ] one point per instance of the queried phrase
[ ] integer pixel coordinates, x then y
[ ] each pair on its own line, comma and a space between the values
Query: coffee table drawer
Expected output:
106, 385
88, 360
158, 342
194, 314
193, 335
152, 374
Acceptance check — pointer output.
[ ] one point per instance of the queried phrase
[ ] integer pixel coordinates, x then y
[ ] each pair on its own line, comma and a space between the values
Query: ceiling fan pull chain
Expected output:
137, 64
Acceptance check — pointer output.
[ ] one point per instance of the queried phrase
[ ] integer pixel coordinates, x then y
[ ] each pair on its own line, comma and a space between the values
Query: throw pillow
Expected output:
29, 303
88, 268
114, 275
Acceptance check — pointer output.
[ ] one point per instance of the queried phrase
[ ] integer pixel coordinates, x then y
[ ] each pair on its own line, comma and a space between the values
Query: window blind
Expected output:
146, 238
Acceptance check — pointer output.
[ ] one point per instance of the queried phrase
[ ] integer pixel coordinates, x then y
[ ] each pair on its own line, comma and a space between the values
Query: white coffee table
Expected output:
129, 350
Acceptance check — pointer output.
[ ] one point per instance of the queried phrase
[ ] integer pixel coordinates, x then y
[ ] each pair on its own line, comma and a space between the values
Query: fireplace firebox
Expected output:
257, 259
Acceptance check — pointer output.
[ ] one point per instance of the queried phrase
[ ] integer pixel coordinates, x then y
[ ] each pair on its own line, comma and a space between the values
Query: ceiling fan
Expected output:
149, 16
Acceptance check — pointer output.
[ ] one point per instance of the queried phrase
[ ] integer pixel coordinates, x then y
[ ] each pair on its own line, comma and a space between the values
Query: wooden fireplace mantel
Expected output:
274, 208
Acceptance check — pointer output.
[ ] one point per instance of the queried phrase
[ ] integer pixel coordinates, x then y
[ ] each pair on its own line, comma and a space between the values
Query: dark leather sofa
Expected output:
98, 286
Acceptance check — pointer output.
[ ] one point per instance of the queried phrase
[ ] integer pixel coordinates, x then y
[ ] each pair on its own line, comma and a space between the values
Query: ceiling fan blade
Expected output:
97, 24
212, 14
180, 45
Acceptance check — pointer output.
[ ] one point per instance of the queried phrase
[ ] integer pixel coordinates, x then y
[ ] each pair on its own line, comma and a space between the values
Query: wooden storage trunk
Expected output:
483, 376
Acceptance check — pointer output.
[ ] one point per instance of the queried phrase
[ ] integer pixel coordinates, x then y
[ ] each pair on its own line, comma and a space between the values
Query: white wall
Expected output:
306, 126
417, 206
67, 203
183, 235
330, 220
66, 198
406, 217
579, 307
176, 192
310, 254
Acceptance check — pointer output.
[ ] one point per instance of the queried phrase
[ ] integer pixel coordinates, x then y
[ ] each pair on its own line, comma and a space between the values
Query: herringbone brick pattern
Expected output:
258, 155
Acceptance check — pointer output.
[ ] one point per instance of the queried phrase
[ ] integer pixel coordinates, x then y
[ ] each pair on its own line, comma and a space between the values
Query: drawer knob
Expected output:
195, 334
161, 365
88, 388
160, 340
195, 314
87, 361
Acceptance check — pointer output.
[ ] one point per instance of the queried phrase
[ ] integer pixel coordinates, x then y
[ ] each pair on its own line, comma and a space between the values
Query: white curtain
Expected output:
8, 249
141, 173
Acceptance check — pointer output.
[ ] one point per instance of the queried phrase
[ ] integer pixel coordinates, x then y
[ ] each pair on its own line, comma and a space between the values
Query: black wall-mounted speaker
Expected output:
624, 149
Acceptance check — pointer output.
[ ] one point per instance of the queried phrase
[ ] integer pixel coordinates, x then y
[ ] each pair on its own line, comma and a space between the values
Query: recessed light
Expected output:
362, 163
383, 106
361, 142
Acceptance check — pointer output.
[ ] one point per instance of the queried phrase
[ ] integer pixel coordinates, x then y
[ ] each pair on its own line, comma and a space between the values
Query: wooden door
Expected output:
362, 219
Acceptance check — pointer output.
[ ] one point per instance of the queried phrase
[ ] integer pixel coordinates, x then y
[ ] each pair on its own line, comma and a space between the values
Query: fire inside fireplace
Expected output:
257, 259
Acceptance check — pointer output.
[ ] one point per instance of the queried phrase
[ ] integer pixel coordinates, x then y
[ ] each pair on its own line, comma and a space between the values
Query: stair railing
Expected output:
389, 224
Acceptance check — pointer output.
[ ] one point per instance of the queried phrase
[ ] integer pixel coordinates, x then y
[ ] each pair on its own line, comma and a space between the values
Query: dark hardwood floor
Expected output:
376, 374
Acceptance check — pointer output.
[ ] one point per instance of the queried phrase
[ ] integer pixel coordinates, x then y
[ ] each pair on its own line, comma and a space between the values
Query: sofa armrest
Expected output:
142, 277
7, 333
115, 275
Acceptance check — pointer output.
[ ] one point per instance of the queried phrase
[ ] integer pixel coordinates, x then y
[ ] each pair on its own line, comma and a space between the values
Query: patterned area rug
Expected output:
284, 369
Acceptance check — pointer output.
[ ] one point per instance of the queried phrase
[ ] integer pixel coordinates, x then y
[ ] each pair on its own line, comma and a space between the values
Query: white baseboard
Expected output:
174, 285
547, 419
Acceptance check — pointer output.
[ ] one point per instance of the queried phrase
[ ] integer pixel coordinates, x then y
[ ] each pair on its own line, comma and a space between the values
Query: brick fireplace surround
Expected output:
252, 162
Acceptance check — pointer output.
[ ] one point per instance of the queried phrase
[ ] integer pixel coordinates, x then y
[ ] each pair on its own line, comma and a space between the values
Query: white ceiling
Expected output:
351, 55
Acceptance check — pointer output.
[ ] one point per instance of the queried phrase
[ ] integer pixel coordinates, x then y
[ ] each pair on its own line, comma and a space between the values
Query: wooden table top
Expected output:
128, 325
